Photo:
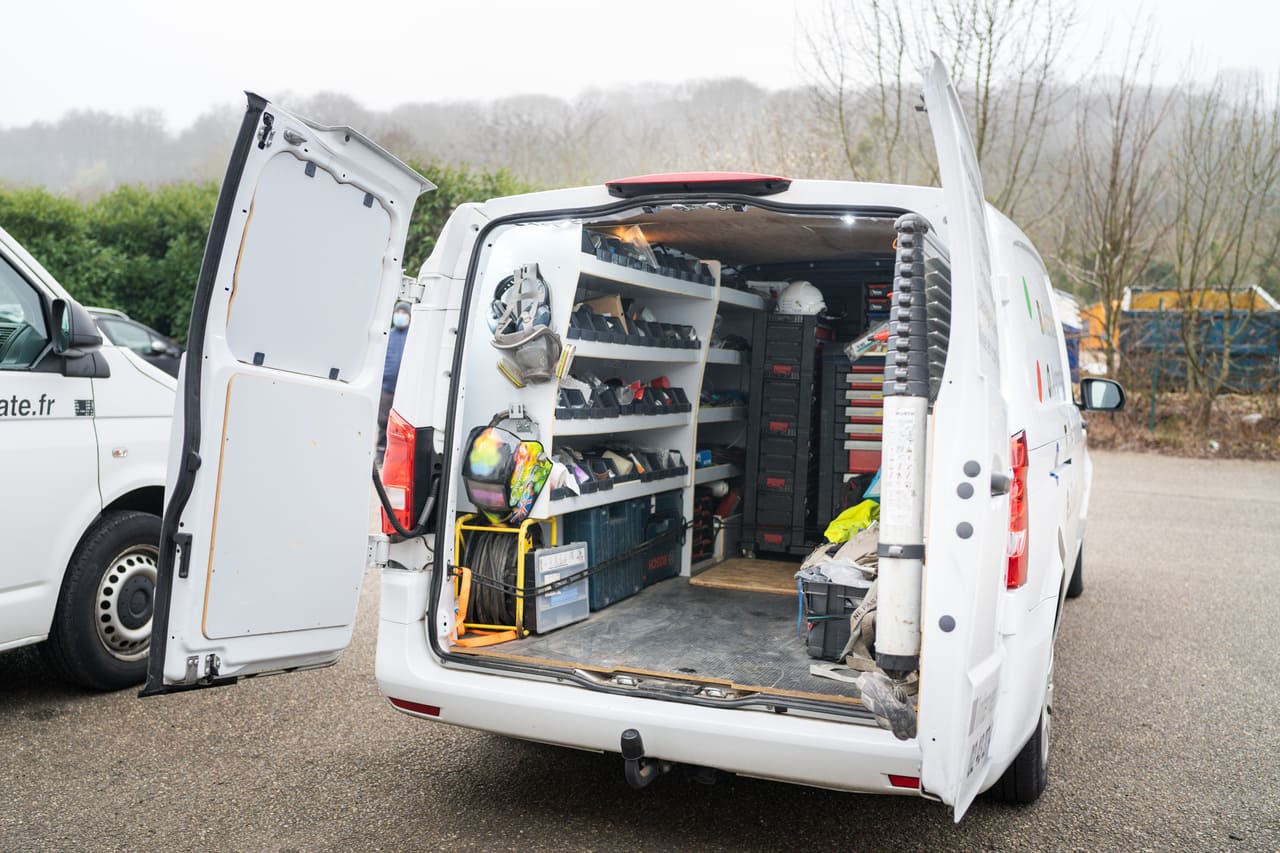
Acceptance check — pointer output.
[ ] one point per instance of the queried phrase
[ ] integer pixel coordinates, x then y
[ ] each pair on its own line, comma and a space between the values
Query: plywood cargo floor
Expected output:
752, 575
746, 638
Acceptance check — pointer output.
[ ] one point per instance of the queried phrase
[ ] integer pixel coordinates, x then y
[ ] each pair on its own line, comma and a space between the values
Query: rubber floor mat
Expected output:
748, 638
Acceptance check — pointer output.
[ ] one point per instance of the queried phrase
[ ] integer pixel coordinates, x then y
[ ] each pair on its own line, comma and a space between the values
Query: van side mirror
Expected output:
73, 329
1101, 395
61, 327
76, 339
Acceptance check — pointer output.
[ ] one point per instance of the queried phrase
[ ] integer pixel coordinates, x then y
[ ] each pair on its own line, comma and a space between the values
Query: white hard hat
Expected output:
801, 297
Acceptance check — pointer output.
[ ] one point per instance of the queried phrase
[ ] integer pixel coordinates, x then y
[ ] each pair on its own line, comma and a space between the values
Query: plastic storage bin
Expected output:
826, 610
567, 604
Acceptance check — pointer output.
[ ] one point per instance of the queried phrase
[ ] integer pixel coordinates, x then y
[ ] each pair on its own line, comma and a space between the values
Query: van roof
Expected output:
924, 200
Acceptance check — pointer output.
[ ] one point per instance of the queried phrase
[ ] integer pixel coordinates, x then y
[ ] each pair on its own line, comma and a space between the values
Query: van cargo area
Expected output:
658, 418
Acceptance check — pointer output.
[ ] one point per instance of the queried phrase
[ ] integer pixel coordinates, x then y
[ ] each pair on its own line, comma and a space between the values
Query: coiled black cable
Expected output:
492, 558
506, 584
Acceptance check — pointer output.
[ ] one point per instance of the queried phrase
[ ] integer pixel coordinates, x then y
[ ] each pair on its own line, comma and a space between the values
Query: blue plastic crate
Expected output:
609, 531
616, 528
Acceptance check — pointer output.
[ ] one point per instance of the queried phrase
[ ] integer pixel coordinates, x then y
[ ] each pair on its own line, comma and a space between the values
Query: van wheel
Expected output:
1075, 587
1027, 777
101, 628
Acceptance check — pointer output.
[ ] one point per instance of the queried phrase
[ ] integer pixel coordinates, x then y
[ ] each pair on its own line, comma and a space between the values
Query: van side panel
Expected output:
133, 409
50, 463
1036, 384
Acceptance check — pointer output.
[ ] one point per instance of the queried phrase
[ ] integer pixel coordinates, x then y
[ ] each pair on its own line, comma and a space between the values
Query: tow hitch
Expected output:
639, 771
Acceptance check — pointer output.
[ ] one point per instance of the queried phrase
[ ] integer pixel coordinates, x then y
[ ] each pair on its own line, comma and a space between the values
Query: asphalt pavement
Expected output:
1165, 733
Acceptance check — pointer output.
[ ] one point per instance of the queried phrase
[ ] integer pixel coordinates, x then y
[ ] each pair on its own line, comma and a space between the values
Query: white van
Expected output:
84, 432
687, 648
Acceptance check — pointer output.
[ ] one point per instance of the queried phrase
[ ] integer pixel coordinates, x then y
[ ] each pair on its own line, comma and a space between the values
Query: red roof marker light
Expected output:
739, 183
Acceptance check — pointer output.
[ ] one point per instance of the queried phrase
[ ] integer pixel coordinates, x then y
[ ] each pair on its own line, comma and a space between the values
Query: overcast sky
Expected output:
181, 58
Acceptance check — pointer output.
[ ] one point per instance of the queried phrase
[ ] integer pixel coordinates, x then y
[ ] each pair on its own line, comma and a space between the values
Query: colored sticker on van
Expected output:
1026, 294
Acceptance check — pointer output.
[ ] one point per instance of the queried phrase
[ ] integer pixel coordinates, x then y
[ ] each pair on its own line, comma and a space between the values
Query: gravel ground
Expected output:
1165, 735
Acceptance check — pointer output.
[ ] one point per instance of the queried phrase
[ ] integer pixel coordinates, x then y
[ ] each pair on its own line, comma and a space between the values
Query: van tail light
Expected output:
904, 781
397, 471
1017, 549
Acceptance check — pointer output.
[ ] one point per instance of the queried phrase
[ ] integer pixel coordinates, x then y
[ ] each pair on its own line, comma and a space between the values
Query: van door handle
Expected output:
1000, 484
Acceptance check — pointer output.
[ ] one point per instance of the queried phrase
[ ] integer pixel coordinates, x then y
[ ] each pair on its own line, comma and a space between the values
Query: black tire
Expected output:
1027, 777
102, 624
1075, 586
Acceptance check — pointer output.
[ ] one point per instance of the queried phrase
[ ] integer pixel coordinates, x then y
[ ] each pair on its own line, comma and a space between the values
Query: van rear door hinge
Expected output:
378, 551
411, 290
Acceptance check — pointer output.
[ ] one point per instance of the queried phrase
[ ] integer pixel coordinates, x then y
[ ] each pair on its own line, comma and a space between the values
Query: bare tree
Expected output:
863, 63
1118, 179
1225, 173
1003, 54
865, 57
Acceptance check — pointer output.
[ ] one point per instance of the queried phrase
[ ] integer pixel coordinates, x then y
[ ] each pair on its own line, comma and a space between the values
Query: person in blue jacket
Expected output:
391, 369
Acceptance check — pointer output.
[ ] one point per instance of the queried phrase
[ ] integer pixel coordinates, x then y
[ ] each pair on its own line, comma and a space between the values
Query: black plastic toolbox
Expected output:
827, 607
781, 426
781, 404
774, 538
777, 481
781, 496
662, 561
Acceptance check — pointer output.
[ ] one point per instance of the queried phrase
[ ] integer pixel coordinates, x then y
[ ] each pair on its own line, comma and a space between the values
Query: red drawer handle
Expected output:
781, 369
775, 482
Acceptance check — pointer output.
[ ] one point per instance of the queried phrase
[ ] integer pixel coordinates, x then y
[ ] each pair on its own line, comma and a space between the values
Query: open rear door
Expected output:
265, 530
965, 560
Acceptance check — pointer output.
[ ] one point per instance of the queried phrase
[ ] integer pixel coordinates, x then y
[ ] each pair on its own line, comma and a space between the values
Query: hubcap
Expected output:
125, 602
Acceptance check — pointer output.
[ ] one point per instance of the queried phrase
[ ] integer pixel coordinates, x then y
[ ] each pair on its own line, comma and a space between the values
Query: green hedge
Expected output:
138, 249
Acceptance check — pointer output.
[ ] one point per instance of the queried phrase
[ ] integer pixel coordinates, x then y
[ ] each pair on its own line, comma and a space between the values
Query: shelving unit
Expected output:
546, 508
741, 299
633, 282
718, 355
622, 423
572, 276
631, 352
721, 414
715, 473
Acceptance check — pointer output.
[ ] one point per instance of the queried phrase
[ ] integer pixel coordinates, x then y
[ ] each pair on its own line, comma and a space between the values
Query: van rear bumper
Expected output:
783, 747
